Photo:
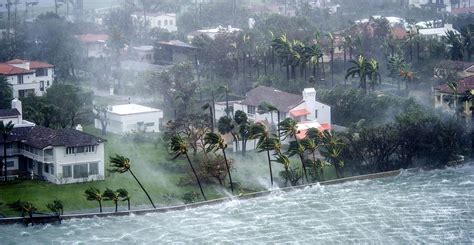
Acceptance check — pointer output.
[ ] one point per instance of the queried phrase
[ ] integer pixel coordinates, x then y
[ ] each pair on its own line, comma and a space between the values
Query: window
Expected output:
171, 22
41, 85
159, 23
166, 22
282, 115
52, 169
93, 168
25, 92
316, 113
20, 79
80, 149
69, 150
80, 171
42, 72
67, 172
251, 109
90, 148
150, 124
10, 164
30, 165
47, 83
46, 168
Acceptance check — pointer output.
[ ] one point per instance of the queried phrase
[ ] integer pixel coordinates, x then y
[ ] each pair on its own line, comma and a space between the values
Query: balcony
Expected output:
41, 157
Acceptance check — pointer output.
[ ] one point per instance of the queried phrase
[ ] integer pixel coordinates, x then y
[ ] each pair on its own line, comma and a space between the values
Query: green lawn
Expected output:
158, 174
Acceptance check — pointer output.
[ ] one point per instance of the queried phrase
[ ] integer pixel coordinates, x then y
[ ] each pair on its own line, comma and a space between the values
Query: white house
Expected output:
58, 156
213, 32
437, 33
303, 108
28, 77
144, 53
165, 21
132, 118
94, 45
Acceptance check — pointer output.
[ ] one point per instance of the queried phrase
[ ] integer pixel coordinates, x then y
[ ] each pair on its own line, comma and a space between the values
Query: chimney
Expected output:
309, 97
16, 104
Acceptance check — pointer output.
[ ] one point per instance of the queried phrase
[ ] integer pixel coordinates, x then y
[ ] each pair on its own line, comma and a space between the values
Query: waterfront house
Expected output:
27, 77
59, 156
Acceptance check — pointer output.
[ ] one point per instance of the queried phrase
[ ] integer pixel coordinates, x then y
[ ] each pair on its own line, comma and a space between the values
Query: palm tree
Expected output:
265, 107
373, 73
93, 194
284, 50
209, 107
289, 128
332, 150
178, 147
124, 196
5, 131
57, 207
122, 165
282, 159
110, 195
331, 39
216, 142
455, 45
6, 92
467, 37
407, 75
395, 64
265, 143
359, 69
312, 143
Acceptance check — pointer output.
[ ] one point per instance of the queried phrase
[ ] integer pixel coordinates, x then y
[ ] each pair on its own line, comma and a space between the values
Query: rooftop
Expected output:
129, 109
9, 113
440, 31
7, 69
92, 38
41, 137
463, 85
176, 43
33, 64
283, 101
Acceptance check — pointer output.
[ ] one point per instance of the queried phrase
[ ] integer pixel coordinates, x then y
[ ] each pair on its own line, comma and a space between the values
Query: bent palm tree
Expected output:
111, 195
93, 194
265, 143
121, 165
124, 196
5, 130
216, 142
289, 128
282, 159
178, 147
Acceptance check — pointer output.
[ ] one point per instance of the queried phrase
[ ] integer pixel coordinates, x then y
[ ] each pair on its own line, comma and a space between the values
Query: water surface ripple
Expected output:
424, 207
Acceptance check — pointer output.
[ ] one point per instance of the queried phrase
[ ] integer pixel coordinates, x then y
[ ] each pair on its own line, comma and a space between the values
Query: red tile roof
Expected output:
463, 85
92, 38
399, 32
298, 113
33, 64
6, 69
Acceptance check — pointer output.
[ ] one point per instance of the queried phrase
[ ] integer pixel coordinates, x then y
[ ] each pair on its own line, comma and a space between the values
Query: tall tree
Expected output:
179, 147
289, 128
455, 45
216, 142
6, 93
264, 143
5, 131
121, 164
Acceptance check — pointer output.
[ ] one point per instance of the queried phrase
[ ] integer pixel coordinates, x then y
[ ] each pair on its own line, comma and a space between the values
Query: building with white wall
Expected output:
129, 118
302, 108
58, 156
94, 45
165, 21
214, 32
437, 33
28, 77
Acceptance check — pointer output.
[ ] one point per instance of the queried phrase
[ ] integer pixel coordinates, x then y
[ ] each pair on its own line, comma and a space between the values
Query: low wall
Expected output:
211, 202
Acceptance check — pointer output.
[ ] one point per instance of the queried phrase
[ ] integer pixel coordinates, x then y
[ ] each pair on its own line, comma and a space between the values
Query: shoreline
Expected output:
15, 220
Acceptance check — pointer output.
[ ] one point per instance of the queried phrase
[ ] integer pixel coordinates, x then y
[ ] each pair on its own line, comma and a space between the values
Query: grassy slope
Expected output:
152, 166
